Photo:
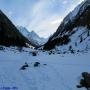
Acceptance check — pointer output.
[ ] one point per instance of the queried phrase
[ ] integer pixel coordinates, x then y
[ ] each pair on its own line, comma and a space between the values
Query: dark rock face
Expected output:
85, 82
9, 35
82, 18
24, 66
36, 64
59, 41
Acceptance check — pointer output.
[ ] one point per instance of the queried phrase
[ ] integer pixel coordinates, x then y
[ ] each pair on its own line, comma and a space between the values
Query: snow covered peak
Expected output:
33, 32
23, 30
32, 36
78, 10
78, 17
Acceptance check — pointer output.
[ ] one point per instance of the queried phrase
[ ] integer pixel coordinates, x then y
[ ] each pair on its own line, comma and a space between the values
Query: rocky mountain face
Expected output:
9, 34
32, 36
74, 31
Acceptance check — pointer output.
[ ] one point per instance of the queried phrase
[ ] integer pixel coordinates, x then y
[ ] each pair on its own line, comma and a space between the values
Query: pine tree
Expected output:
76, 44
88, 34
81, 39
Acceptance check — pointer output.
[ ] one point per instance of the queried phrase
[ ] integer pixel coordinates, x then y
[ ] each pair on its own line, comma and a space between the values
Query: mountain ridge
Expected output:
32, 36
79, 17
9, 34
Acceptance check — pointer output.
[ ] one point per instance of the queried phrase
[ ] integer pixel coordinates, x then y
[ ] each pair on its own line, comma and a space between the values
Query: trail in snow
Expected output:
60, 73
29, 80
60, 77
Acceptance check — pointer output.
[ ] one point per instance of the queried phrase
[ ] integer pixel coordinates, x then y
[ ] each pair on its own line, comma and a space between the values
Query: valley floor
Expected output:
55, 72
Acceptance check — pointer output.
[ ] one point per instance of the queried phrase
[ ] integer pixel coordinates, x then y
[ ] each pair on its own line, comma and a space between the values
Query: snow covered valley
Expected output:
55, 71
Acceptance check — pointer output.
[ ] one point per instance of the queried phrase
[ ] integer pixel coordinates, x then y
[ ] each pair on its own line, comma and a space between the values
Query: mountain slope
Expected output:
77, 21
9, 34
32, 36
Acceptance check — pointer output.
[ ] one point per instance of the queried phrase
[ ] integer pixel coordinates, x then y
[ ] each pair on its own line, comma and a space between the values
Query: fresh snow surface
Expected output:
62, 72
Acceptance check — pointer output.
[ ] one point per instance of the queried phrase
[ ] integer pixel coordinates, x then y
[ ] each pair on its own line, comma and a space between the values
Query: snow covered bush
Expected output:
24, 66
36, 64
20, 49
34, 53
85, 82
1, 48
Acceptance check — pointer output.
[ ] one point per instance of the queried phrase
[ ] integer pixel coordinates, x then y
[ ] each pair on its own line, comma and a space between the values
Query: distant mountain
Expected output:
32, 36
74, 31
9, 34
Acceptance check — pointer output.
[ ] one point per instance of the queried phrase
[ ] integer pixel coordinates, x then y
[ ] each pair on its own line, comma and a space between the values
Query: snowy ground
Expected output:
62, 72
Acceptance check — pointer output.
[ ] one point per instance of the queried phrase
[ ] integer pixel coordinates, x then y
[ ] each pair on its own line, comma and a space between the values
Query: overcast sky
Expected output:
42, 16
